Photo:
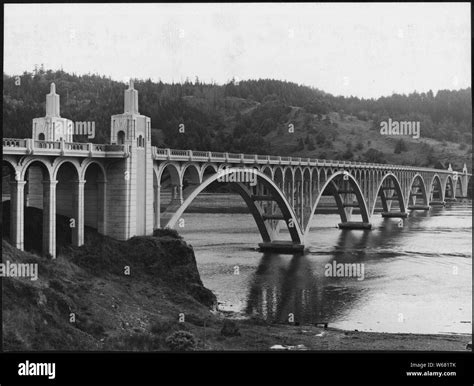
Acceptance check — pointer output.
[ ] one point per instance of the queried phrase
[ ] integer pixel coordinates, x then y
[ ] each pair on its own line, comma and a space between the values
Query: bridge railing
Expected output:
14, 142
46, 144
20, 146
185, 155
29, 146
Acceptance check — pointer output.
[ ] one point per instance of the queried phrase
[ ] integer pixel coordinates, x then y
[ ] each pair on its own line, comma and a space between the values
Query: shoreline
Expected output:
257, 335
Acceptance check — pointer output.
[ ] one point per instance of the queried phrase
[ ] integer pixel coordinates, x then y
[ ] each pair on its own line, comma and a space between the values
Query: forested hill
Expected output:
254, 116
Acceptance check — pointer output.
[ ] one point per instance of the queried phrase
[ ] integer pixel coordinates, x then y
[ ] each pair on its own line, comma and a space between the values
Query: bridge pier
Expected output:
49, 218
157, 193
278, 246
355, 225
419, 207
17, 214
438, 203
78, 232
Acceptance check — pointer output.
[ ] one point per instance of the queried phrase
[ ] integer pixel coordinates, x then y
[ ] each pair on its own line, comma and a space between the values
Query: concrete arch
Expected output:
314, 180
95, 196
88, 163
436, 179
205, 166
174, 171
449, 182
307, 169
59, 162
298, 169
12, 161
357, 190
264, 170
194, 171
417, 176
30, 160
458, 187
287, 169
398, 191
278, 177
285, 207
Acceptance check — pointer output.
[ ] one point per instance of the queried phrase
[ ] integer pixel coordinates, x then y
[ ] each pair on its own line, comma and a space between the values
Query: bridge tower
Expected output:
52, 127
130, 182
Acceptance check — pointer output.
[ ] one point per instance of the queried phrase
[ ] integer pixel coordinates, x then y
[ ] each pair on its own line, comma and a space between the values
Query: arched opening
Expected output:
458, 181
449, 189
289, 187
41, 137
417, 193
278, 177
314, 184
190, 179
169, 191
94, 198
67, 215
234, 177
341, 194
267, 205
207, 171
37, 224
298, 194
389, 199
307, 196
120, 137
8, 179
436, 193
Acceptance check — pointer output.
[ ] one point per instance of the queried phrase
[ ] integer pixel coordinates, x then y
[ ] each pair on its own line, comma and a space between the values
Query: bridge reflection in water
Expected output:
403, 272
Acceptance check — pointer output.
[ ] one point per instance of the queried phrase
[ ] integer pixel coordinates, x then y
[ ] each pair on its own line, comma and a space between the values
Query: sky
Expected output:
360, 49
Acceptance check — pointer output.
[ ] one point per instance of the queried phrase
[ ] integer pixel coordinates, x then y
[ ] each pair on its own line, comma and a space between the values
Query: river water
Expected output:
417, 278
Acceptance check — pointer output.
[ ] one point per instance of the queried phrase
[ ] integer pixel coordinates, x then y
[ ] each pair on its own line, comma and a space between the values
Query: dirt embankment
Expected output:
107, 294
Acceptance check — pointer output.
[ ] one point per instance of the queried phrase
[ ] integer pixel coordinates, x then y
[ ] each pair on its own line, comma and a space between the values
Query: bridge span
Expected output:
128, 187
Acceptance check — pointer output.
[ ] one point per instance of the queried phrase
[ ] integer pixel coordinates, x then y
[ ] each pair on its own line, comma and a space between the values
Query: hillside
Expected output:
255, 116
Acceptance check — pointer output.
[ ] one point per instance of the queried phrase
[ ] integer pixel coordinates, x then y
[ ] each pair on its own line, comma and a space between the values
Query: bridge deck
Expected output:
16, 146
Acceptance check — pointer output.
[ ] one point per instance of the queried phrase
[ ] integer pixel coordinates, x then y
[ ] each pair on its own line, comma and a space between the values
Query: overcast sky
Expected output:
367, 50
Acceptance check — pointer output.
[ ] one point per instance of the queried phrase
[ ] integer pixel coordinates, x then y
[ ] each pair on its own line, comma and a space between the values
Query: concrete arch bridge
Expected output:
121, 191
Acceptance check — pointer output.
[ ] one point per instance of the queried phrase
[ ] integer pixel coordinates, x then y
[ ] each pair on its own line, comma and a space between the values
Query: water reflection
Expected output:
408, 270
297, 285
284, 286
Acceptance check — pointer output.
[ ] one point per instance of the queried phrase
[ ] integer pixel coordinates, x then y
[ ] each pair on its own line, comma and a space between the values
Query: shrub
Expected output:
230, 328
181, 340
161, 326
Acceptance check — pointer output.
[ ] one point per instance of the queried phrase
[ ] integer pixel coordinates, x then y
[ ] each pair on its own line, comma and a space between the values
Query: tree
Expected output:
400, 146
